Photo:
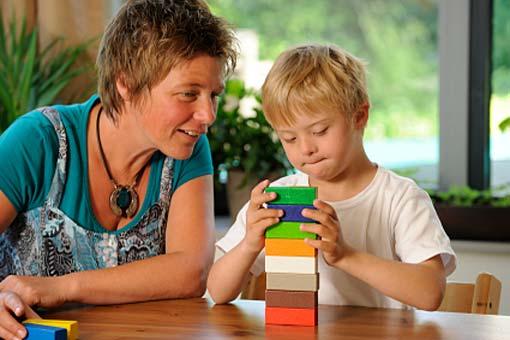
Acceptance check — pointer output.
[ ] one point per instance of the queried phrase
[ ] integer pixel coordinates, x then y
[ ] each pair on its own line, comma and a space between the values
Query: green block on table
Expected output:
288, 230
293, 195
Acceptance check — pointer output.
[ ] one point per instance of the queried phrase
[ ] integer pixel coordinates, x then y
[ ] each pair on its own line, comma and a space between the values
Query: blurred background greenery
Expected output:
398, 39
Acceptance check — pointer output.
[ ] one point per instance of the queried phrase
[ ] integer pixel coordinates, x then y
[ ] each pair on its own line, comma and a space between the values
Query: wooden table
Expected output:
201, 319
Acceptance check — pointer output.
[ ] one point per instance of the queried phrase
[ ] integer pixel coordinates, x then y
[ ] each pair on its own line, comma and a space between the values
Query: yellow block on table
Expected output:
70, 325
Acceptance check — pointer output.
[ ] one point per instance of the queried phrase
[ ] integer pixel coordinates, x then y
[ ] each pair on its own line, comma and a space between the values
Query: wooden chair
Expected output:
481, 297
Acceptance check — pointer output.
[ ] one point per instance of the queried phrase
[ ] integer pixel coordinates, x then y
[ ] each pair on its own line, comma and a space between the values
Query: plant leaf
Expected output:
505, 124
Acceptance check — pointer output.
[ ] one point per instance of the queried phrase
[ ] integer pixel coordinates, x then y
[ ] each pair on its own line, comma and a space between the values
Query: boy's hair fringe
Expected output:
313, 79
147, 38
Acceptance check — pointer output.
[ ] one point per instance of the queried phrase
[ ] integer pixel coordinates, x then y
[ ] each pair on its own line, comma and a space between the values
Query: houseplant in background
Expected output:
30, 78
244, 147
469, 214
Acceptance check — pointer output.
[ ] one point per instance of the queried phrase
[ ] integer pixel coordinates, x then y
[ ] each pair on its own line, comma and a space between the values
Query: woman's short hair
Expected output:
311, 79
147, 38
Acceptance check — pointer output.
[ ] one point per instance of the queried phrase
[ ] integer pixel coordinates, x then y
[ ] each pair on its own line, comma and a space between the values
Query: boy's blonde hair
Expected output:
147, 38
309, 78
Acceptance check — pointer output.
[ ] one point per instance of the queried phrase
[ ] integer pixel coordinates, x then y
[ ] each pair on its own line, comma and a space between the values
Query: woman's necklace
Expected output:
123, 198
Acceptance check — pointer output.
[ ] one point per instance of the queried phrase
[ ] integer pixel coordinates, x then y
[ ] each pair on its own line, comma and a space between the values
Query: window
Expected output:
398, 40
500, 97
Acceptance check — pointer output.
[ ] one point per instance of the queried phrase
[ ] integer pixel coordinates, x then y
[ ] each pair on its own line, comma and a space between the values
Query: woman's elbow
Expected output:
195, 284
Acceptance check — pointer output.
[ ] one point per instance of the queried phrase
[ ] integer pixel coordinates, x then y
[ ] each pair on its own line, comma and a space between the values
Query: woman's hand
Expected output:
330, 240
11, 308
37, 291
258, 218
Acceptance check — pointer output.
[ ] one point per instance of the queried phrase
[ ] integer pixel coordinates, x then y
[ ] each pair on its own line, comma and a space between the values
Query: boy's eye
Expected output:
289, 140
321, 132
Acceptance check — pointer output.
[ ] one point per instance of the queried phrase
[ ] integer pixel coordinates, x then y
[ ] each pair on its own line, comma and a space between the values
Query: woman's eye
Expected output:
289, 140
189, 95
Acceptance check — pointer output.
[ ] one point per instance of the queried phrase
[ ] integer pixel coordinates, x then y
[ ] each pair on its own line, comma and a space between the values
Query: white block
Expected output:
291, 264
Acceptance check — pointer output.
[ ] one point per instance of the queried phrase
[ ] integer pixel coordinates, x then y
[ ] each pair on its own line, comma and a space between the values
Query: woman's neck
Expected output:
125, 150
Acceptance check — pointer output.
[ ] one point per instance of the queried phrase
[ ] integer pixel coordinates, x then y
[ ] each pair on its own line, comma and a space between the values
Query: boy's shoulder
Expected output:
395, 184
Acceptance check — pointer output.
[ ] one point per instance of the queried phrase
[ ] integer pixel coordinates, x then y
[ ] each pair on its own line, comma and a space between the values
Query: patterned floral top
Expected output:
45, 242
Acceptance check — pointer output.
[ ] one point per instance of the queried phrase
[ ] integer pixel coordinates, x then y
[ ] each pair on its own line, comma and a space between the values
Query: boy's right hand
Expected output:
258, 218
12, 307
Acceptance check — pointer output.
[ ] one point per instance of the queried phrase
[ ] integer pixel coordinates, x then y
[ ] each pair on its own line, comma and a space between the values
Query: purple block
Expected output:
292, 213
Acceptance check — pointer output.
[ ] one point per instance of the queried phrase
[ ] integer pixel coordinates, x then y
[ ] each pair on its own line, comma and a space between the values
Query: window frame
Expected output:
465, 54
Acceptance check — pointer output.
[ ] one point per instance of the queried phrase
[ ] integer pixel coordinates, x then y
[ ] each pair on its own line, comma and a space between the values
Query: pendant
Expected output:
124, 201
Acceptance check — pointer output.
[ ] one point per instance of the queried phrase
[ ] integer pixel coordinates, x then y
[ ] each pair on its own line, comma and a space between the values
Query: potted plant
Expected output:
30, 78
244, 147
471, 214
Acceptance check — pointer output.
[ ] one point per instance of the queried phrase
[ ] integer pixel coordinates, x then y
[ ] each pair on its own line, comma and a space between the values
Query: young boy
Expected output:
381, 243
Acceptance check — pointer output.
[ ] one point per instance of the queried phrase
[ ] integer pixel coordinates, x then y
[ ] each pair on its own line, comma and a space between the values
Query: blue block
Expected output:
41, 332
292, 213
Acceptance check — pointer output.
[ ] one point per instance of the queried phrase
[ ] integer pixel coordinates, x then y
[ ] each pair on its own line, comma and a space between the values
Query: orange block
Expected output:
291, 316
288, 247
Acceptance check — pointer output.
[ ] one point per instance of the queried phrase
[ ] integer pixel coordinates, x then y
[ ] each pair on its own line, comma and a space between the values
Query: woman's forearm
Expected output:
173, 275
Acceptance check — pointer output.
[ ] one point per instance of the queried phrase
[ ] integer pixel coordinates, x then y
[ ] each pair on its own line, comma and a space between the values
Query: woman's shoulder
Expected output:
35, 124
30, 127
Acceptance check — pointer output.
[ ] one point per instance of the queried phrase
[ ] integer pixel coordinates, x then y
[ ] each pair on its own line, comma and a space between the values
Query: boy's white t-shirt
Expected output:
391, 218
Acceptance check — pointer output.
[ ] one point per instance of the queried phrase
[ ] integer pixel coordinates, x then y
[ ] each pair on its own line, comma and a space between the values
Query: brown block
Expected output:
288, 247
293, 282
291, 299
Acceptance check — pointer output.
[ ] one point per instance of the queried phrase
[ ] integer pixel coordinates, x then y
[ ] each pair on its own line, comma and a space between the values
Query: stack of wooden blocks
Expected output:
292, 278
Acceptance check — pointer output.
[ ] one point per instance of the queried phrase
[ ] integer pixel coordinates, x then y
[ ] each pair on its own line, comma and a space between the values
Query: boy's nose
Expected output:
307, 147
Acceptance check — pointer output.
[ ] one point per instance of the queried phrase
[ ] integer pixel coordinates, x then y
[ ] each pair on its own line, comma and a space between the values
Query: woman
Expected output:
110, 201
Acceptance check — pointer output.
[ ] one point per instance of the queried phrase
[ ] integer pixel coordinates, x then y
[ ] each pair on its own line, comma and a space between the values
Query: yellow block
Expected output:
70, 325
288, 247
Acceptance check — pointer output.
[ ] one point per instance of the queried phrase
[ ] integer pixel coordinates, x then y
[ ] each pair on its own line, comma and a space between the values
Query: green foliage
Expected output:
501, 48
246, 143
505, 124
464, 196
397, 38
30, 78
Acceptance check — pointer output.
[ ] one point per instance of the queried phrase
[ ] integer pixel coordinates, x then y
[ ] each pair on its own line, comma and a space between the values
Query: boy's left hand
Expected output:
328, 229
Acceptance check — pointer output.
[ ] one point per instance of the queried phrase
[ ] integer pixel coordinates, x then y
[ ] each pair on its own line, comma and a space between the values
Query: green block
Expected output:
288, 230
293, 195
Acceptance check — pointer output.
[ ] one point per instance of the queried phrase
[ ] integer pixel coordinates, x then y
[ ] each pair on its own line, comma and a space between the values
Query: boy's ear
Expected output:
360, 118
